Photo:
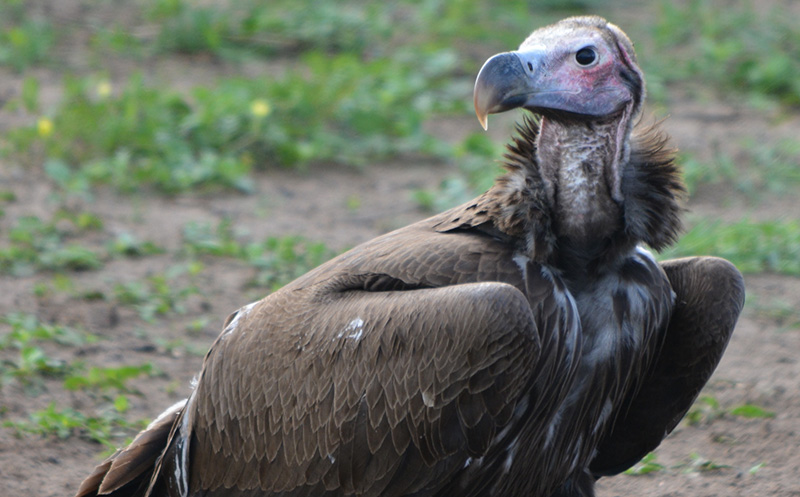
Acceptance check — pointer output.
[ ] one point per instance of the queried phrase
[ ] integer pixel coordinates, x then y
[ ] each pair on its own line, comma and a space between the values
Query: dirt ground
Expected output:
760, 457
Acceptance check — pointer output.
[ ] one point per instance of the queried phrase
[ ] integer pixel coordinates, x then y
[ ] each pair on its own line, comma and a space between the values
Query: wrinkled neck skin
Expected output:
580, 162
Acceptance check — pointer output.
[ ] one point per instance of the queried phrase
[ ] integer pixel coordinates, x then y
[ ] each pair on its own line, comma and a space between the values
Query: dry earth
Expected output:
761, 456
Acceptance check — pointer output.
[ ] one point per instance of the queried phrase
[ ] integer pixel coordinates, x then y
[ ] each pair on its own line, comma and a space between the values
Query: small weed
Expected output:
27, 329
26, 43
107, 378
646, 466
27, 335
699, 464
705, 409
32, 365
127, 245
202, 239
751, 411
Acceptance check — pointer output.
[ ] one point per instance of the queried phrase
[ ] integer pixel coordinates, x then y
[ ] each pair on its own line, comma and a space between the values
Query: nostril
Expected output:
530, 67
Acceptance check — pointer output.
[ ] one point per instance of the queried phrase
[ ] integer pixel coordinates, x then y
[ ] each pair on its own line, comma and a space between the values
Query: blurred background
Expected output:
164, 162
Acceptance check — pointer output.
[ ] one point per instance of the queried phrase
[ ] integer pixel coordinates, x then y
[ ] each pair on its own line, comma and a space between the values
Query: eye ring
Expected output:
586, 56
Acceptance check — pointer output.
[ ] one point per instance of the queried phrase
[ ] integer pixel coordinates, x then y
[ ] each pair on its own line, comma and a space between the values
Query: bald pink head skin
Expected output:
581, 65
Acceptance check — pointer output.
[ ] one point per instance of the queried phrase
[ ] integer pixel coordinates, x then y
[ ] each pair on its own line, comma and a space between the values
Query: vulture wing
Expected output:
709, 297
379, 375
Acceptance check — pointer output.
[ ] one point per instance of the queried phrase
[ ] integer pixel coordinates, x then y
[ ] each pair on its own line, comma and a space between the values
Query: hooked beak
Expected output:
500, 86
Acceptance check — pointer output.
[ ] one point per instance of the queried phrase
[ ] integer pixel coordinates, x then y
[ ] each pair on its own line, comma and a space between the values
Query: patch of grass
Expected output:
35, 245
761, 169
27, 334
773, 168
255, 28
286, 27
277, 260
753, 246
128, 245
332, 108
100, 379
695, 172
707, 409
730, 45
477, 159
203, 239
25, 43
107, 427
157, 295
26, 329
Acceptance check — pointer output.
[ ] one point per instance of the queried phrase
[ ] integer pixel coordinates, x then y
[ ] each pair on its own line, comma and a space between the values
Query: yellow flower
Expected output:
103, 89
260, 108
45, 127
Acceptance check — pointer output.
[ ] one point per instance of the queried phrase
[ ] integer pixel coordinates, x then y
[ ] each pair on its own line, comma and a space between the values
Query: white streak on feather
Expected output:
244, 311
512, 450
174, 408
353, 331
522, 262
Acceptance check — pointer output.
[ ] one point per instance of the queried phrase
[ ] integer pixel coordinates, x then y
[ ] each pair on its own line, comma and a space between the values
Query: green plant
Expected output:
705, 409
128, 245
26, 43
101, 378
646, 466
753, 246
35, 245
699, 464
106, 427
27, 328
751, 411
280, 260
156, 295
28, 335
731, 45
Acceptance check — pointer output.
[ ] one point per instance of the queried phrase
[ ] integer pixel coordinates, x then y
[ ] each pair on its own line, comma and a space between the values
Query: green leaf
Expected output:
751, 411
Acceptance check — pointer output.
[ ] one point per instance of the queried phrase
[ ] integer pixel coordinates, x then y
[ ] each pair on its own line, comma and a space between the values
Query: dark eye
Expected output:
585, 56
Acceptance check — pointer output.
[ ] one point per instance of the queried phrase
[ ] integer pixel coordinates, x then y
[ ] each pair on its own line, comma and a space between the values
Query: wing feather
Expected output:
709, 297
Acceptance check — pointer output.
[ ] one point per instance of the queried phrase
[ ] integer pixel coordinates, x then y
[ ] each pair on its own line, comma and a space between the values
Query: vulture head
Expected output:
581, 67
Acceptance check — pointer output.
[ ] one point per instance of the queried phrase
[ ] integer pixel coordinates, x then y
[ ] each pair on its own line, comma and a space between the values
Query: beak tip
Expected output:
483, 119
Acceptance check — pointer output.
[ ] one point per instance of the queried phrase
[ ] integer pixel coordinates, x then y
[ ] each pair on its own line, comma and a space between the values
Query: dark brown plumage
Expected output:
522, 344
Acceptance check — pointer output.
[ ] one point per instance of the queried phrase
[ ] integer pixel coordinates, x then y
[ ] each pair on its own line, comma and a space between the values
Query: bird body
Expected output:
524, 343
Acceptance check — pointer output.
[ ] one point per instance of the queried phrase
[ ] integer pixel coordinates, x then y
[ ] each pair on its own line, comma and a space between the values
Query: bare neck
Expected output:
575, 199
581, 160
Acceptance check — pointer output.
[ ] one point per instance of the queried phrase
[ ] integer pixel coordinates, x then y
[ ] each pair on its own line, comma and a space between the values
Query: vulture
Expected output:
525, 343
